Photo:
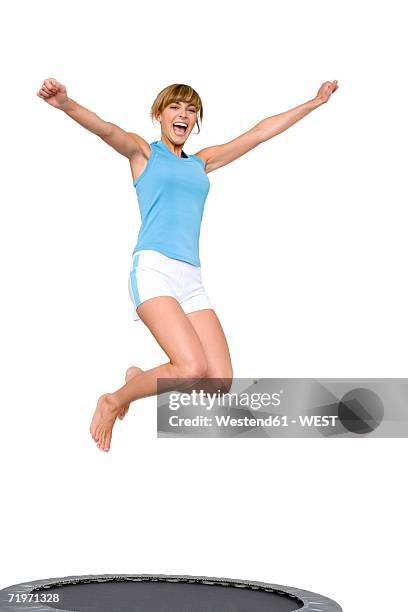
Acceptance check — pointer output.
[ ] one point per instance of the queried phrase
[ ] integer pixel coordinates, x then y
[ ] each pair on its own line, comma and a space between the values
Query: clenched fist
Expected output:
54, 93
326, 90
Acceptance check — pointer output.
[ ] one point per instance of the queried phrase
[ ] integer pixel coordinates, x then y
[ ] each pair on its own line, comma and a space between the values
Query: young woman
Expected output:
165, 277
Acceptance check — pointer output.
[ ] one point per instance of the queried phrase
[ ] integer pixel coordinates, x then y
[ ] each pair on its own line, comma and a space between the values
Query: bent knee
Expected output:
194, 369
225, 384
221, 381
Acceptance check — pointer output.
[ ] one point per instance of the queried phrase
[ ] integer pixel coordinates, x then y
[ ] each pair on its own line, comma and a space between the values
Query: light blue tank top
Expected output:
171, 192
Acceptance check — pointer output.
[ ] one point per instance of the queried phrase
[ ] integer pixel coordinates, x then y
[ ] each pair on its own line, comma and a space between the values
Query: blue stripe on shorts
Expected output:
133, 282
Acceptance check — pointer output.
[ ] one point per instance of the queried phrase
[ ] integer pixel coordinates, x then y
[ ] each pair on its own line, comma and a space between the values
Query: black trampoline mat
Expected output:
148, 596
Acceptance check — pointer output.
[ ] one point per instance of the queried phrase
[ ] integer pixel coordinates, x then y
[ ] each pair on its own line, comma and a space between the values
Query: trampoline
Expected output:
158, 593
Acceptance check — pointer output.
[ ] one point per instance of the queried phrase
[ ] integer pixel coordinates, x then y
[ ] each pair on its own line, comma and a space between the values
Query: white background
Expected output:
303, 254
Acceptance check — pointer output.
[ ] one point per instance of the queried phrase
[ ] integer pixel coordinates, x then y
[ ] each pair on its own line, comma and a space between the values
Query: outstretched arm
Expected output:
220, 155
126, 143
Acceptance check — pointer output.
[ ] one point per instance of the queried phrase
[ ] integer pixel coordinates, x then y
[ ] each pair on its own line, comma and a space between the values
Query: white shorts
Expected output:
153, 274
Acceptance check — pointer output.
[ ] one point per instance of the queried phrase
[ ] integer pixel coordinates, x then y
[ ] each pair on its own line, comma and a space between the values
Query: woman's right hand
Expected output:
54, 93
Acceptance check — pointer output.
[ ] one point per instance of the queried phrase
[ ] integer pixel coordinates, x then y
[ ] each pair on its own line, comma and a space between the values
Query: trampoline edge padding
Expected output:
308, 601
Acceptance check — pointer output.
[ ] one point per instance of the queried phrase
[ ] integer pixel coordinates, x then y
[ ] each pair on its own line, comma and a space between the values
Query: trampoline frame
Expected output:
312, 602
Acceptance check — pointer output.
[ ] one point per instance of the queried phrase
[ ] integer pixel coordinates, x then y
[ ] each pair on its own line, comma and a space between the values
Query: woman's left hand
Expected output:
326, 91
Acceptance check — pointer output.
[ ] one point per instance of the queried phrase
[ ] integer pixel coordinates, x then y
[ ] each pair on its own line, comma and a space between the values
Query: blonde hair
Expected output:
177, 92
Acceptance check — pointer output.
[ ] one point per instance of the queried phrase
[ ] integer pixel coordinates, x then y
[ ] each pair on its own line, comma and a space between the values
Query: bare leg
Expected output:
176, 335
130, 373
213, 344
213, 340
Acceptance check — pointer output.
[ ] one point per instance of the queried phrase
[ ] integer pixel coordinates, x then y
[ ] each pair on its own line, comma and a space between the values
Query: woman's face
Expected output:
175, 113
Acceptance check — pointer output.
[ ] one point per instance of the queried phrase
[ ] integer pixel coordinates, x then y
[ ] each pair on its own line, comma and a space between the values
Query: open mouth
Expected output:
179, 128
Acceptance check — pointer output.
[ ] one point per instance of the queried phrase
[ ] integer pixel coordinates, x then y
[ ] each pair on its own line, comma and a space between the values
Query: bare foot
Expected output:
130, 373
103, 420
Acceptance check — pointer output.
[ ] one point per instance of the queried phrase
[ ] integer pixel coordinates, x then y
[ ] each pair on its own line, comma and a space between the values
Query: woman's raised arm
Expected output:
220, 155
125, 143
